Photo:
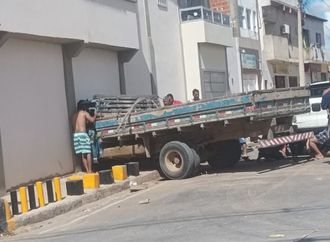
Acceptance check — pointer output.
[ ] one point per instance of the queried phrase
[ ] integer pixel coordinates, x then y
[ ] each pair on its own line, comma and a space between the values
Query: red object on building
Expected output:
220, 6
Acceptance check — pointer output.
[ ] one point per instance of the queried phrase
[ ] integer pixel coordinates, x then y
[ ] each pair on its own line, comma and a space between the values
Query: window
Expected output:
323, 77
306, 37
240, 16
254, 20
193, 3
279, 81
293, 81
318, 39
248, 18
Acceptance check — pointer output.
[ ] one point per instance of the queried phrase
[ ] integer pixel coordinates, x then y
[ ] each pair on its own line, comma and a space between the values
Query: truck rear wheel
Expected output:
227, 154
176, 160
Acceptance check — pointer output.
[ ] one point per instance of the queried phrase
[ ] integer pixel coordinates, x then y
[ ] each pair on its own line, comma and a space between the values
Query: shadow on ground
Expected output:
259, 166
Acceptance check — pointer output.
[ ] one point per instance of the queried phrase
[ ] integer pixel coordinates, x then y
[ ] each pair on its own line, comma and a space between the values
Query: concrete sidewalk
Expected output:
72, 202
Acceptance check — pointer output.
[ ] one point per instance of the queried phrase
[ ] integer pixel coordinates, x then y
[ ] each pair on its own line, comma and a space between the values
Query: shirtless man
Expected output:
81, 140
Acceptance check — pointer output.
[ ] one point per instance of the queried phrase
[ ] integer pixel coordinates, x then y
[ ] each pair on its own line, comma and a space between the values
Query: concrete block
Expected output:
106, 177
74, 187
119, 173
75, 177
91, 181
133, 169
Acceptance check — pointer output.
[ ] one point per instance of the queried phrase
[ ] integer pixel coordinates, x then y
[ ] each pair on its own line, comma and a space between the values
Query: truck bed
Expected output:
256, 105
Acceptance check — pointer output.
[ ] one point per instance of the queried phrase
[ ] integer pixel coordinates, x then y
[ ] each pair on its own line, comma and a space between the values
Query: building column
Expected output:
69, 51
124, 57
4, 36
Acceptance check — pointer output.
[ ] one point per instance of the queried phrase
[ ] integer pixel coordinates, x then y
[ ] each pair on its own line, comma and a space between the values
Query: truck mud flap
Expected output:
285, 140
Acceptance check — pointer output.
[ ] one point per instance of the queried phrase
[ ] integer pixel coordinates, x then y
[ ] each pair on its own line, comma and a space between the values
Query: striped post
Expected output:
24, 201
14, 202
32, 197
40, 192
50, 192
57, 186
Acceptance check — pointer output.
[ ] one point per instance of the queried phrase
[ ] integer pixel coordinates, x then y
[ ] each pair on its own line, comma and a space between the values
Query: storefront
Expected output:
250, 70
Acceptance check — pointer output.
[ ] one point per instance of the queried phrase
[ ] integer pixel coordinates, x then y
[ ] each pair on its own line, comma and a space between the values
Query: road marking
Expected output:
101, 209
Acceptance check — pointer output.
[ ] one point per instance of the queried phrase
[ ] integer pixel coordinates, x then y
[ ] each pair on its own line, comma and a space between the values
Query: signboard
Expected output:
249, 61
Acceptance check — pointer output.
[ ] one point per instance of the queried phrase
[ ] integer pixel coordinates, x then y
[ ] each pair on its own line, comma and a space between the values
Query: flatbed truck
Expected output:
179, 137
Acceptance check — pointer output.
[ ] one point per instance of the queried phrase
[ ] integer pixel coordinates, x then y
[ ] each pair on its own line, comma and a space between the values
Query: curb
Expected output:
72, 202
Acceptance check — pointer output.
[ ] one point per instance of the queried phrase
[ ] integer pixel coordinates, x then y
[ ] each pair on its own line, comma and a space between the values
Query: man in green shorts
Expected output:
81, 140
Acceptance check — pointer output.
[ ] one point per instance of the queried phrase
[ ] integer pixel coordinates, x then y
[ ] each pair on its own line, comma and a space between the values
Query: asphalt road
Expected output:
269, 201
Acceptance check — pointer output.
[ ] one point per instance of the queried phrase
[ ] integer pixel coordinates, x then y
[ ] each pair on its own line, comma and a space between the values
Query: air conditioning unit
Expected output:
285, 29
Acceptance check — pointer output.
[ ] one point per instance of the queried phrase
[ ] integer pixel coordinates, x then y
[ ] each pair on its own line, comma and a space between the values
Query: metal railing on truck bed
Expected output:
255, 105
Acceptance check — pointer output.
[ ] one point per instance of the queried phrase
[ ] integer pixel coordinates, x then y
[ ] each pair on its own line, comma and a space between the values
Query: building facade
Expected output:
206, 36
48, 63
158, 65
279, 41
244, 56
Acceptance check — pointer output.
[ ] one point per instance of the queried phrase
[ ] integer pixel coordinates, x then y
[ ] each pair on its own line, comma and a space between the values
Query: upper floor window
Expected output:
318, 39
241, 16
193, 3
254, 20
306, 37
248, 18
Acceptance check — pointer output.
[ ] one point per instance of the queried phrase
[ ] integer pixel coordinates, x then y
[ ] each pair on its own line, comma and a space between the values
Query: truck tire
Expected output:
227, 154
176, 160
197, 161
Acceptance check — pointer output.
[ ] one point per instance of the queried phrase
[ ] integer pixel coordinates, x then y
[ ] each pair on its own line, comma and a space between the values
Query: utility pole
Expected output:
235, 18
300, 46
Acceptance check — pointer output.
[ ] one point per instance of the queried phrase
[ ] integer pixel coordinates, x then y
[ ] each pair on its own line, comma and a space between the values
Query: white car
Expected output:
316, 120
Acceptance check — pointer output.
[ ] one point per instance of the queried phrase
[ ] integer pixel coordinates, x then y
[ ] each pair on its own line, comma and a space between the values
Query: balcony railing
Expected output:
197, 13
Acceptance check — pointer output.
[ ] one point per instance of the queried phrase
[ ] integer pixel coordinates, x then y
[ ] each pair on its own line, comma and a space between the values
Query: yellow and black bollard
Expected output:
106, 177
74, 186
57, 186
14, 202
119, 172
50, 192
133, 169
32, 197
24, 201
40, 192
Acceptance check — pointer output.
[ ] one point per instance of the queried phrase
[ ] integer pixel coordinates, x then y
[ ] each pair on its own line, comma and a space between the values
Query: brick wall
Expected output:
220, 5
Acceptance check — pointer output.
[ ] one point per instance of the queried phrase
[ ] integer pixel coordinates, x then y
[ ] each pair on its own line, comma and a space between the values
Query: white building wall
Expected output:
251, 33
96, 71
34, 127
166, 37
160, 54
75, 19
234, 68
137, 75
196, 32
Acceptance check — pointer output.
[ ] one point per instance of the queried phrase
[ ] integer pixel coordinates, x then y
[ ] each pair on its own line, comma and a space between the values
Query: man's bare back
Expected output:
80, 119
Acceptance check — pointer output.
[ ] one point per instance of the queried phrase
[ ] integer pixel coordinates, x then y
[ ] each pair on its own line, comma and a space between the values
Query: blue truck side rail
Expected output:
255, 105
